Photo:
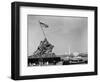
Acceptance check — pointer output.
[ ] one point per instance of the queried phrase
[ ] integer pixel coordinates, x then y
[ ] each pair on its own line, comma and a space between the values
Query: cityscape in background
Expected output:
44, 56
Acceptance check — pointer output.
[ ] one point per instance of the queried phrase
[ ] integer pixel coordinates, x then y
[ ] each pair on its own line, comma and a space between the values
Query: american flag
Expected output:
43, 25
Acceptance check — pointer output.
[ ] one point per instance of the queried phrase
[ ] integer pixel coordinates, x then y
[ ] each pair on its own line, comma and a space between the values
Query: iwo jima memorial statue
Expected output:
43, 55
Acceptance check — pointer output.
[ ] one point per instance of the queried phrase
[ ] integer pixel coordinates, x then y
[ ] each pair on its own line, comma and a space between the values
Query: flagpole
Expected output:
44, 37
42, 30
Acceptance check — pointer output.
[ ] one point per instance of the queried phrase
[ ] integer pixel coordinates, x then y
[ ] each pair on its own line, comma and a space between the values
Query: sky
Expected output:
64, 32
